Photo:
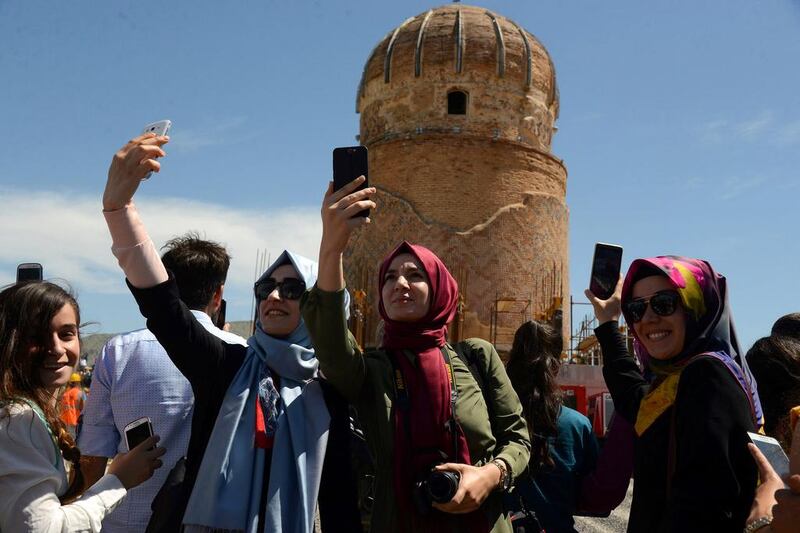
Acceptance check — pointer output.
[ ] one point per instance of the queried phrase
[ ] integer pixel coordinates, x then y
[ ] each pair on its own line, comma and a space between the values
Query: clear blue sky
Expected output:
680, 129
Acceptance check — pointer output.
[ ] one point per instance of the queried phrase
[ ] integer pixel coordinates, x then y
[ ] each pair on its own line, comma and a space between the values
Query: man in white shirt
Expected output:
133, 377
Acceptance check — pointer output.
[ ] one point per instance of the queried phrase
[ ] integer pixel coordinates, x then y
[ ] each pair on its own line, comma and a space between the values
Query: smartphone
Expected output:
29, 272
772, 450
349, 163
138, 431
220, 321
606, 266
159, 128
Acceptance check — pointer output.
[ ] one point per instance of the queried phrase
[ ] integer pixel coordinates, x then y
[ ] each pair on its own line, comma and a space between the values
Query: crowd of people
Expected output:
259, 434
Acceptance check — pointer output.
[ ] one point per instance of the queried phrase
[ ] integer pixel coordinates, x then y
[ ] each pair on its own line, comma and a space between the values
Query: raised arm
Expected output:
136, 253
340, 360
338, 222
196, 352
623, 377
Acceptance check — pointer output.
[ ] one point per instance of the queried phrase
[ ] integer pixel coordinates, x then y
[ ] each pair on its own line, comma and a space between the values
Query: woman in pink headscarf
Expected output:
443, 422
692, 468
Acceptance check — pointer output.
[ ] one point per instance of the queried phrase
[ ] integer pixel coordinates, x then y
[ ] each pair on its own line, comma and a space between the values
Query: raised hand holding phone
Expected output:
129, 166
338, 222
605, 282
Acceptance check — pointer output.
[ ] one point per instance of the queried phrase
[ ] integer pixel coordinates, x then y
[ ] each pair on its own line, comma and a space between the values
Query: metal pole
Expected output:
571, 331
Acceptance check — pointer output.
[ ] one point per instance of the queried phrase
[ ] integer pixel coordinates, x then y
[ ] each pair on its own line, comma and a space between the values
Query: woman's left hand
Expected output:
477, 482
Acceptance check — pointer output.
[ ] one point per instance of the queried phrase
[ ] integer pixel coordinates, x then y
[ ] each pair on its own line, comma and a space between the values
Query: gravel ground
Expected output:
616, 523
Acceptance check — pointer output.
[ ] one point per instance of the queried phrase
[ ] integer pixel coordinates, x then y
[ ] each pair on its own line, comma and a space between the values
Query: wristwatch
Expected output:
757, 524
505, 475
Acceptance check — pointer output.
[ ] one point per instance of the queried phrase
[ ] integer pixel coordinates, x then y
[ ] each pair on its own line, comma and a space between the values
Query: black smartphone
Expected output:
606, 266
138, 431
29, 272
220, 321
349, 163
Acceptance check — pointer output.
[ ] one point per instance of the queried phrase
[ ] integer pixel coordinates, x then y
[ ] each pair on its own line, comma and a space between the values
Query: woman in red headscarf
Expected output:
446, 445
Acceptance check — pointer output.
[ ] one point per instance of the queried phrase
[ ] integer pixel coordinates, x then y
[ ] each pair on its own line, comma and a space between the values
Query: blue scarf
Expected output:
229, 484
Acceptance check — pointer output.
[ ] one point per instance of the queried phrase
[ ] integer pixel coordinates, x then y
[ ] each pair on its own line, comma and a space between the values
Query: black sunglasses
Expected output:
663, 303
289, 288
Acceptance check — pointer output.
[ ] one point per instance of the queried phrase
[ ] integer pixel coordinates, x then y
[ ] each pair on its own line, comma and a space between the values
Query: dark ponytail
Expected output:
69, 449
533, 369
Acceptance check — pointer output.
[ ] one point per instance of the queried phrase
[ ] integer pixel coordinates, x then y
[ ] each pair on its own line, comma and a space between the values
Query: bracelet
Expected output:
505, 477
757, 524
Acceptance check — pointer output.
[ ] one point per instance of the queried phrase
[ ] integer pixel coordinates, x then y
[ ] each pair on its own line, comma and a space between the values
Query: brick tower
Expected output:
458, 107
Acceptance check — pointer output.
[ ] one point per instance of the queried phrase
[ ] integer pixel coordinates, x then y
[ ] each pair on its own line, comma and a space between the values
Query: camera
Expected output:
438, 486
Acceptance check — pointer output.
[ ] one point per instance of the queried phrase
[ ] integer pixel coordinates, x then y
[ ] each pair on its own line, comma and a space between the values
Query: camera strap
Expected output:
403, 399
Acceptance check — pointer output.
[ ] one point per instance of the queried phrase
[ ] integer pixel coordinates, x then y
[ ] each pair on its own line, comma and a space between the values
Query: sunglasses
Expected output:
288, 289
663, 303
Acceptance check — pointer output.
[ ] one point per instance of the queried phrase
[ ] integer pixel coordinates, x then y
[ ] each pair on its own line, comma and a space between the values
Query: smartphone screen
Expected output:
29, 272
349, 163
772, 450
137, 432
605, 269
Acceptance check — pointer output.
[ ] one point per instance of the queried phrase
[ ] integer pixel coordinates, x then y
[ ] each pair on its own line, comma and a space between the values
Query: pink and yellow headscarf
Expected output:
709, 332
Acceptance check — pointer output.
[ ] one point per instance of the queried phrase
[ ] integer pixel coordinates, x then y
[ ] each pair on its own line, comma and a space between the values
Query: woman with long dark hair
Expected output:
445, 445
775, 362
39, 348
563, 447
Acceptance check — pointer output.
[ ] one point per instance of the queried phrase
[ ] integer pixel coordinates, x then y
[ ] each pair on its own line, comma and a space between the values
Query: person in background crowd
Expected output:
135, 377
692, 468
563, 446
775, 362
787, 326
269, 439
39, 347
410, 391
72, 404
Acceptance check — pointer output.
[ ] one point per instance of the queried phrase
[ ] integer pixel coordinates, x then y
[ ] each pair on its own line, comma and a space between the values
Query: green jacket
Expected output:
365, 379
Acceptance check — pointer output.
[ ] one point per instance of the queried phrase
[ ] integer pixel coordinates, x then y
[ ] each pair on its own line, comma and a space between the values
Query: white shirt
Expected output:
134, 377
32, 476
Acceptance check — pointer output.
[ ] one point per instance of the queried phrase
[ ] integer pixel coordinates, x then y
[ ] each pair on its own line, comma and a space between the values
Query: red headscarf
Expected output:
421, 432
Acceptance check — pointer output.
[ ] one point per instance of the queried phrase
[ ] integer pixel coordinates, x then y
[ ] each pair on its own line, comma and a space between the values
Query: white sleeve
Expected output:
29, 483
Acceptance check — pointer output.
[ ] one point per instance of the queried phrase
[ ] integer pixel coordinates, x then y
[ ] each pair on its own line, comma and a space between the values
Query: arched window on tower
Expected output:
457, 102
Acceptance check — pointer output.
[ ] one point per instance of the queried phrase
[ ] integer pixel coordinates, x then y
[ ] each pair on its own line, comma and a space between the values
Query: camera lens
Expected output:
442, 486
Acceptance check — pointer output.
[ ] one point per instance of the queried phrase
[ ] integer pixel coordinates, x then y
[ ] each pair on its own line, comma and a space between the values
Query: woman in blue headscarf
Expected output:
269, 438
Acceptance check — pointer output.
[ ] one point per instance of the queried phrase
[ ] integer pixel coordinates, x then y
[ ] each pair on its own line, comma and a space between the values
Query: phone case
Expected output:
160, 128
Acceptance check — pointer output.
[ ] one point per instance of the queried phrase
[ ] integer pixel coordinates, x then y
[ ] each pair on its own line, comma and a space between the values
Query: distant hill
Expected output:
92, 344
